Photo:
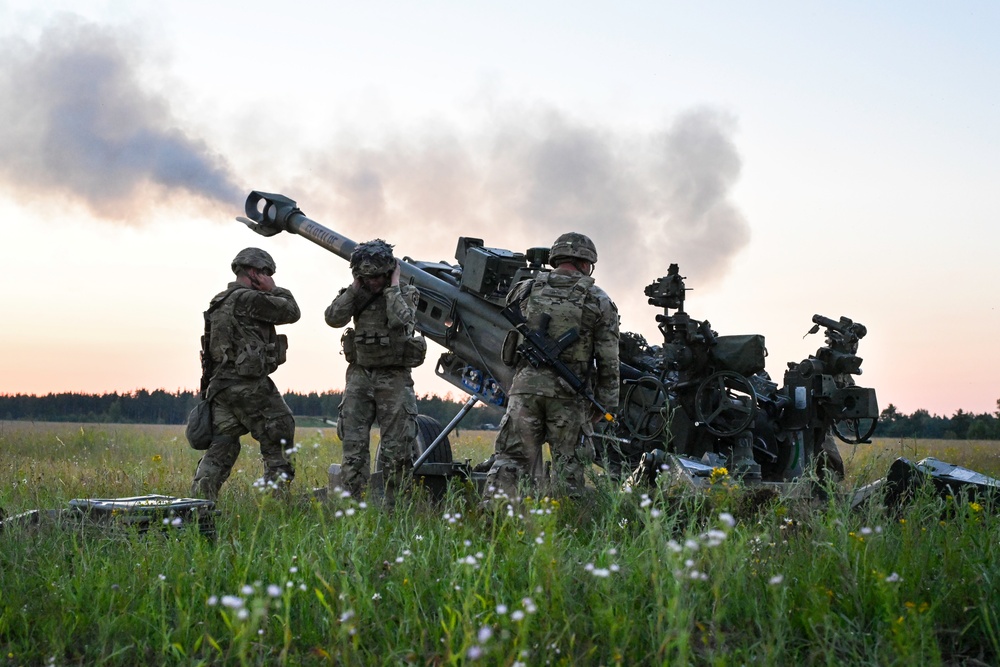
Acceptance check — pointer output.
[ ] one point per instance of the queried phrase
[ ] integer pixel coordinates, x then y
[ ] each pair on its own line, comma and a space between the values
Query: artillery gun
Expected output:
703, 398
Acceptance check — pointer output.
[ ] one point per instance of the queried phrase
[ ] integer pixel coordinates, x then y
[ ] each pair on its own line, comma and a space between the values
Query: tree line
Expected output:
163, 407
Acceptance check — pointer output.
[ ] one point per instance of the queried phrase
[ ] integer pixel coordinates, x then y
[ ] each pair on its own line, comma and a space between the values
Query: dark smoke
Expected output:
646, 199
79, 124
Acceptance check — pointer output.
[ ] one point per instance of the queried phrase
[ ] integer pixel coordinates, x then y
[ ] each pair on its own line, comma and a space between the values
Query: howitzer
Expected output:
698, 396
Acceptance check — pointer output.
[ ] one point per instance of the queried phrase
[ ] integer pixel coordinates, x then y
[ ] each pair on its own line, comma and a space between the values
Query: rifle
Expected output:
540, 350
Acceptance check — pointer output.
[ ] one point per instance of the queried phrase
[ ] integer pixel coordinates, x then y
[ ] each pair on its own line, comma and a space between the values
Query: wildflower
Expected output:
727, 518
347, 615
501, 609
975, 507
247, 589
419, 538
293, 569
655, 513
893, 578
776, 579
718, 474
177, 521
376, 597
243, 614
714, 538
474, 652
232, 602
274, 590
866, 531
163, 577
517, 615
157, 458
213, 600
485, 633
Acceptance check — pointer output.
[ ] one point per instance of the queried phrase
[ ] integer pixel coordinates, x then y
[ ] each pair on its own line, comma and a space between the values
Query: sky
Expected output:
793, 158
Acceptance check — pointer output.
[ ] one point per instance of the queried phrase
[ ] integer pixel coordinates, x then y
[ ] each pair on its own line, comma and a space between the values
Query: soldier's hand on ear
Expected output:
394, 280
262, 281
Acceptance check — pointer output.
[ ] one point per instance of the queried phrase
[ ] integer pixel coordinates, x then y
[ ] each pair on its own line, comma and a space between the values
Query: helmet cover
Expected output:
572, 245
372, 258
253, 258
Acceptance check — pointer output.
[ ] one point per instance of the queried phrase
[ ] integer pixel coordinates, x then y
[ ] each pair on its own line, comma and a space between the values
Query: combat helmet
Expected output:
372, 258
572, 245
254, 258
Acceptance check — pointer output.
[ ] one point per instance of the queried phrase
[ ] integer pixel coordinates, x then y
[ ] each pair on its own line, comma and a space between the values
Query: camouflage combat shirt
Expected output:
243, 342
382, 322
572, 300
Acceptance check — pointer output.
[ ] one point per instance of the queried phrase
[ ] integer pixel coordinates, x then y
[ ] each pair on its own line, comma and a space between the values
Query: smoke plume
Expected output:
646, 199
79, 124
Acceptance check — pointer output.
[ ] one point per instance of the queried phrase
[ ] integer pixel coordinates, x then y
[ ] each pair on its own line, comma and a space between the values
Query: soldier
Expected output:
542, 406
380, 350
244, 351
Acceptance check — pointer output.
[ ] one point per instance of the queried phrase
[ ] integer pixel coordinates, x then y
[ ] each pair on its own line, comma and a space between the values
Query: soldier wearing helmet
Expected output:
380, 349
240, 350
543, 407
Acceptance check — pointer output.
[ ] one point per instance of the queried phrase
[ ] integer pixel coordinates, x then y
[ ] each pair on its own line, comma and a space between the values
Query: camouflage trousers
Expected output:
253, 407
531, 421
386, 395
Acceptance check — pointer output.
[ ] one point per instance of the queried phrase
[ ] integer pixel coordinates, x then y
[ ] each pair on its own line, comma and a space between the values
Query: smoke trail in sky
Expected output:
80, 124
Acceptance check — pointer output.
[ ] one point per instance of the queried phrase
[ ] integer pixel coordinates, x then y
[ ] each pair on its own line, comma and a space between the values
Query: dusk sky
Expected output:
793, 158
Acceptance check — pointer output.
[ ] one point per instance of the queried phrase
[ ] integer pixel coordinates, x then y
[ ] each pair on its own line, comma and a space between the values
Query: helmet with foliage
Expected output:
372, 258
253, 258
572, 245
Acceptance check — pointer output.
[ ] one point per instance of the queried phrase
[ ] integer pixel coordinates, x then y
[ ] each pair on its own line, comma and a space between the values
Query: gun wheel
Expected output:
854, 431
725, 403
428, 429
646, 409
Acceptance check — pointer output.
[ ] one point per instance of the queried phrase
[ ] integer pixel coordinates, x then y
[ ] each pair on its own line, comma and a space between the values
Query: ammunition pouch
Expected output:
508, 351
257, 360
414, 351
281, 350
347, 342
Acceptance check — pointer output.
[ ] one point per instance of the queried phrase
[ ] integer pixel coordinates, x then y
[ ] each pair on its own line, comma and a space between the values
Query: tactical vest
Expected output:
565, 305
376, 345
250, 348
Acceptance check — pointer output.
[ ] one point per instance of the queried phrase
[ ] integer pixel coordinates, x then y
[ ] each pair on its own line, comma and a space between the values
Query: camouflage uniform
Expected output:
245, 350
379, 385
542, 407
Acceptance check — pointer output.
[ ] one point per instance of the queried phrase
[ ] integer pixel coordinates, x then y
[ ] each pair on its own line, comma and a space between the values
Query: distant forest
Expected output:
162, 407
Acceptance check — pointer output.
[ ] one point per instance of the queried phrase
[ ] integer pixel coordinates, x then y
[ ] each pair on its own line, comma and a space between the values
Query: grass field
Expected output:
637, 578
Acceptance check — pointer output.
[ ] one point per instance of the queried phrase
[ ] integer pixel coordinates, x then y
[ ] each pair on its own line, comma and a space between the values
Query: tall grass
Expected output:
724, 577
